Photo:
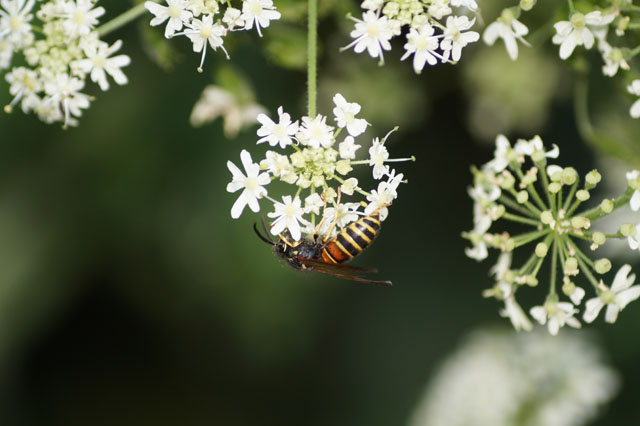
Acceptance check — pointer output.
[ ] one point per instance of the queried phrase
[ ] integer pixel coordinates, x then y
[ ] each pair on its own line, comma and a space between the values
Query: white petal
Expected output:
592, 309
612, 313
539, 313
625, 297
622, 280
635, 198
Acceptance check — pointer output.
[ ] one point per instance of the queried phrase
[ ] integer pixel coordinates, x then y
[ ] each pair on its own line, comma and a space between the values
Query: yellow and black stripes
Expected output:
352, 240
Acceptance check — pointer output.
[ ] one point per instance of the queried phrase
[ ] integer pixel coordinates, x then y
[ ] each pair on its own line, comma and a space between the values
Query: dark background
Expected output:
129, 296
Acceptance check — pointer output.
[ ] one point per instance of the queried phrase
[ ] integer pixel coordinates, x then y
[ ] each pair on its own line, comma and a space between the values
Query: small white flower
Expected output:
253, 184
202, 31
313, 203
509, 29
6, 53
634, 176
315, 132
233, 18
100, 64
14, 21
558, 314
577, 295
501, 155
634, 240
372, 33
422, 44
24, 86
613, 60
348, 148
347, 213
384, 195
64, 92
277, 164
615, 298
280, 133
512, 309
345, 114
378, 154
575, 32
469, 4
439, 8
455, 38
502, 266
288, 215
534, 145
371, 4
81, 17
258, 12
349, 186
175, 11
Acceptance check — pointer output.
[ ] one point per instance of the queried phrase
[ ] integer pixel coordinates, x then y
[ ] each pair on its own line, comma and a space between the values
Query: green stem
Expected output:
121, 20
312, 65
526, 238
596, 212
554, 267
572, 192
514, 205
520, 219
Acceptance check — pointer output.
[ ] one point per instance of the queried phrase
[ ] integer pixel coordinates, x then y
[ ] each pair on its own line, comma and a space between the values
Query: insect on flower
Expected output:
327, 255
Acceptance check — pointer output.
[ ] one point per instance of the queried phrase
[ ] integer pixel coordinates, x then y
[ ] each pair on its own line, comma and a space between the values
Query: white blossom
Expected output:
455, 37
576, 32
558, 314
634, 176
615, 298
277, 134
81, 16
14, 21
509, 29
422, 44
348, 148
634, 240
634, 89
258, 12
99, 63
288, 215
378, 154
345, 114
175, 12
315, 132
252, 184
372, 33
202, 31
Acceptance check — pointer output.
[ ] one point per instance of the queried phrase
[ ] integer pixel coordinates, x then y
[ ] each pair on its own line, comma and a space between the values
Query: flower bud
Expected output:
570, 266
509, 245
507, 180
555, 187
527, 5
546, 217
541, 249
627, 230
343, 167
568, 288
593, 177
583, 195
522, 197
531, 280
598, 238
606, 206
569, 176
602, 266
579, 222
538, 156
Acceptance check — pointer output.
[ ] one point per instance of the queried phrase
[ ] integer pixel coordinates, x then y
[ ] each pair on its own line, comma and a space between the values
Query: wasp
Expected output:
328, 255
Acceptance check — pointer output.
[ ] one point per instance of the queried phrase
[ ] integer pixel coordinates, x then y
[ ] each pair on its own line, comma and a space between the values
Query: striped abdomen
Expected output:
352, 240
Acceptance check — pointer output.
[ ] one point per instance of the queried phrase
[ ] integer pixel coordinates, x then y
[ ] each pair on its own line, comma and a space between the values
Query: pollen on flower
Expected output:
317, 170
60, 57
559, 224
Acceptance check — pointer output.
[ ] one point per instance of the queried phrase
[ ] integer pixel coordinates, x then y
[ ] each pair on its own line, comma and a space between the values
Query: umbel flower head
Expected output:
519, 185
315, 159
207, 22
430, 37
59, 58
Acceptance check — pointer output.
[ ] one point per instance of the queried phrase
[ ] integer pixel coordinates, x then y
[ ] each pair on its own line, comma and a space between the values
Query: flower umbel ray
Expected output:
519, 185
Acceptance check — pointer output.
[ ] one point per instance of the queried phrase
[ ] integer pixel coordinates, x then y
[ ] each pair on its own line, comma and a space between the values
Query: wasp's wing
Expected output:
347, 272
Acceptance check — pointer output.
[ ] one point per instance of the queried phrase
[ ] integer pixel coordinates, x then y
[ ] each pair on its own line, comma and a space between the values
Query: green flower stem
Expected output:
583, 237
545, 185
584, 268
533, 209
571, 7
596, 213
525, 268
572, 192
515, 218
530, 188
554, 267
527, 237
514, 205
121, 20
312, 52
580, 254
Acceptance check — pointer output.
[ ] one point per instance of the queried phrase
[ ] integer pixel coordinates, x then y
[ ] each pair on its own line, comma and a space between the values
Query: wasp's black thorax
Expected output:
302, 249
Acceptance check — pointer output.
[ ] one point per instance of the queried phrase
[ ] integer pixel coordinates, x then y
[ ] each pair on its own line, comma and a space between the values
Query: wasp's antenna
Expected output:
266, 230
268, 241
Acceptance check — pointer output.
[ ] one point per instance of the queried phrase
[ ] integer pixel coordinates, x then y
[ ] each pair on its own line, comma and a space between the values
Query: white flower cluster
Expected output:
428, 39
317, 160
64, 51
500, 378
506, 188
207, 22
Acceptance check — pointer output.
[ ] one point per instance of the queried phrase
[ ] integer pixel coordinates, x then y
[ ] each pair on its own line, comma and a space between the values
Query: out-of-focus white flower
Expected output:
501, 378
558, 314
15, 16
634, 176
509, 29
634, 89
613, 59
81, 16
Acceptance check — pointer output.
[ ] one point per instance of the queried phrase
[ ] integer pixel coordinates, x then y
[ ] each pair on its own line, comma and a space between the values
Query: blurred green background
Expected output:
129, 296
